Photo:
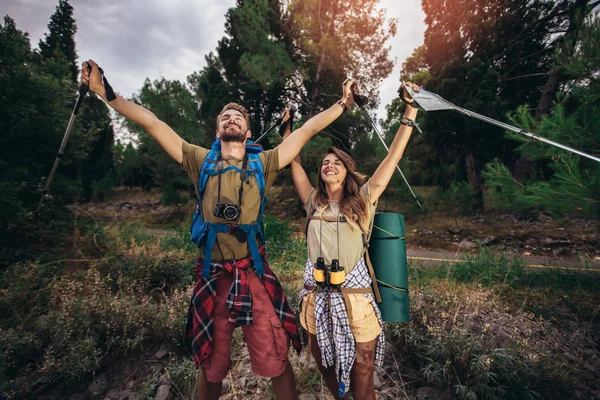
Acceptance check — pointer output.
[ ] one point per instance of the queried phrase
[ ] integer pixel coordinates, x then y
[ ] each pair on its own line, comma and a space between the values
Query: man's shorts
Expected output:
267, 340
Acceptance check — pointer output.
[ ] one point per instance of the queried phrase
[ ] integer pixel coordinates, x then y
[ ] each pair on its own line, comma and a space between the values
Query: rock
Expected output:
243, 383
162, 393
120, 395
488, 240
427, 393
589, 376
158, 369
590, 352
163, 351
252, 383
98, 386
112, 395
307, 396
466, 244
378, 383
130, 385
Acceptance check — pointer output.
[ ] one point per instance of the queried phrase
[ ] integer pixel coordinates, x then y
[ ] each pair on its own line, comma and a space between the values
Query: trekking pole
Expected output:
361, 101
83, 89
429, 101
293, 109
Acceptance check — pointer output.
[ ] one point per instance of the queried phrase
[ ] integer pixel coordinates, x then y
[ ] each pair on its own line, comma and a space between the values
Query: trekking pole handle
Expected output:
83, 90
293, 111
359, 99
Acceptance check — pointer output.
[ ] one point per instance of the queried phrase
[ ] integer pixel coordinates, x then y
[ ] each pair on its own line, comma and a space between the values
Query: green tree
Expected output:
172, 103
252, 68
93, 130
334, 40
34, 110
60, 38
567, 16
478, 54
574, 184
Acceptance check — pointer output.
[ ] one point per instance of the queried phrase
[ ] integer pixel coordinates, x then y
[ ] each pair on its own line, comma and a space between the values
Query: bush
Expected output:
458, 198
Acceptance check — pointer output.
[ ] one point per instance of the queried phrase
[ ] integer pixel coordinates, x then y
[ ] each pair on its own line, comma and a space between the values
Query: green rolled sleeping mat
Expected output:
387, 250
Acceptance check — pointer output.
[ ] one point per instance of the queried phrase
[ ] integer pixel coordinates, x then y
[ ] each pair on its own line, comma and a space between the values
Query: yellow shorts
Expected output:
364, 323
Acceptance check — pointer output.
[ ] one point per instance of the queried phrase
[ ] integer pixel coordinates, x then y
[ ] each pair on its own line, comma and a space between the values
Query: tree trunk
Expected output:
474, 179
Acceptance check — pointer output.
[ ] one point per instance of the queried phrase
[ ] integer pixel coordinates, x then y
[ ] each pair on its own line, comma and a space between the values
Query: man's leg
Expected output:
208, 390
362, 380
268, 343
216, 367
284, 385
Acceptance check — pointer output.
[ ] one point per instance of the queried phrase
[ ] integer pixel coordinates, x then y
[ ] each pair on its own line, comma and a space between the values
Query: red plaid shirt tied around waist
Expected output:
199, 327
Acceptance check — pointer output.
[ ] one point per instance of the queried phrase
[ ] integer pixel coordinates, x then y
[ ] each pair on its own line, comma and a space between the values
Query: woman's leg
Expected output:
362, 380
328, 374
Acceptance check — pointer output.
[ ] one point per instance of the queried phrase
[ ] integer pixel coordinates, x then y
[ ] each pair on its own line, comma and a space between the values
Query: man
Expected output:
235, 286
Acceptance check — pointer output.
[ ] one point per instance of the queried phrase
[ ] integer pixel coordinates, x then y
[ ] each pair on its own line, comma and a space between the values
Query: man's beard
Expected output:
228, 135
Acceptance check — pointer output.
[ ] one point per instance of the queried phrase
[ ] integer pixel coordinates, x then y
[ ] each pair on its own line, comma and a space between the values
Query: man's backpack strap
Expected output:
205, 233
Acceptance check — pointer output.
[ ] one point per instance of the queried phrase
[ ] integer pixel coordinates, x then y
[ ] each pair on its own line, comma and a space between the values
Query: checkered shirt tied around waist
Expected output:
199, 327
334, 335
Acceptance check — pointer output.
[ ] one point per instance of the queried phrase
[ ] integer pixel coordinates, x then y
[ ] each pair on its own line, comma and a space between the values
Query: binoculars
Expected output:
329, 275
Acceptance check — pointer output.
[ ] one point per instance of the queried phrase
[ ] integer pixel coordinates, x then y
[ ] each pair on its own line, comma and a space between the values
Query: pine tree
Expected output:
61, 36
479, 55
574, 183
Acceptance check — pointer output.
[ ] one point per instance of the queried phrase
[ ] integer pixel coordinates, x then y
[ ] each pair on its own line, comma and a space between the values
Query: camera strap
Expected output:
243, 176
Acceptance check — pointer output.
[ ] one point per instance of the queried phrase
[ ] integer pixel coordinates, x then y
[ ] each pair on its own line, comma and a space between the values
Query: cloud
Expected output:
409, 36
133, 39
137, 39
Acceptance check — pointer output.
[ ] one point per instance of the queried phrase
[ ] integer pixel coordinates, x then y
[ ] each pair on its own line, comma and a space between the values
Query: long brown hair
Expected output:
353, 205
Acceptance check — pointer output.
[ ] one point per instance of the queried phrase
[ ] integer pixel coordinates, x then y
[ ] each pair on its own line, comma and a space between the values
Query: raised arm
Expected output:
384, 172
290, 148
161, 132
301, 181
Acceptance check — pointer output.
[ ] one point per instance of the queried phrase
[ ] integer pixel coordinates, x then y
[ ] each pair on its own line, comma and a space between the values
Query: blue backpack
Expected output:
204, 232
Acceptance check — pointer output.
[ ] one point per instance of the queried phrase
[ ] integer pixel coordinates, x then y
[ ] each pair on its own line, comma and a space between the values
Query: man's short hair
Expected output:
237, 107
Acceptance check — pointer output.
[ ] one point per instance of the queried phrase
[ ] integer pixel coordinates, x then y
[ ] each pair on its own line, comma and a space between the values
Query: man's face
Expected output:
233, 127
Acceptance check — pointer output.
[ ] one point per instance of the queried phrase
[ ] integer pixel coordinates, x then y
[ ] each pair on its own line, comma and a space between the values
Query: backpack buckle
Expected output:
239, 234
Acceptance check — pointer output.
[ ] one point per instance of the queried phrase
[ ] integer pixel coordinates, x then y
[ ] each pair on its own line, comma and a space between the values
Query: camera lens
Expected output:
231, 213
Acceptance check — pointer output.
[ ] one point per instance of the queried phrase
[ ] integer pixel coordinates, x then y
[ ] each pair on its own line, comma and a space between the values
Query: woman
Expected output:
344, 324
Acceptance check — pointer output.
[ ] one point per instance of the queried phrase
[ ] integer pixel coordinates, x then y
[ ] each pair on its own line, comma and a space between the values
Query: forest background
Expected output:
532, 63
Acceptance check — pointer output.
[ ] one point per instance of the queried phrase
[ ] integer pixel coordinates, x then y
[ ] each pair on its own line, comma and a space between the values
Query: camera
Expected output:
230, 212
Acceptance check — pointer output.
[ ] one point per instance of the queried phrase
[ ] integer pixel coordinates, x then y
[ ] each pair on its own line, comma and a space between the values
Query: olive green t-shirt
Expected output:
323, 236
227, 247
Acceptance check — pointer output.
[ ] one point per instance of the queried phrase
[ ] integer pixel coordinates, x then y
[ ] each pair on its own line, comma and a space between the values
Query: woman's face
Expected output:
332, 169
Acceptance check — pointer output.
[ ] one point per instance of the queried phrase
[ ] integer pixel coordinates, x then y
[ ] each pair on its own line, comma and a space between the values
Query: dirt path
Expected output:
428, 257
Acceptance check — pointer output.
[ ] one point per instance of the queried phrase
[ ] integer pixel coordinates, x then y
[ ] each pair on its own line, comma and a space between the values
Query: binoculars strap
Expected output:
326, 218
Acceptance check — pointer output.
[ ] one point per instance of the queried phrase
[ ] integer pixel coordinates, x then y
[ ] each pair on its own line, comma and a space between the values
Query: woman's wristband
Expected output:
343, 105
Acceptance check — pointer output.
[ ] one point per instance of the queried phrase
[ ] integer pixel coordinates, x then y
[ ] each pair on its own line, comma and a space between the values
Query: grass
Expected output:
485, 328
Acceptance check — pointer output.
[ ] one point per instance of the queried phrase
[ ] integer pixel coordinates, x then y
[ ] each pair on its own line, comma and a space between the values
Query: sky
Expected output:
137, 39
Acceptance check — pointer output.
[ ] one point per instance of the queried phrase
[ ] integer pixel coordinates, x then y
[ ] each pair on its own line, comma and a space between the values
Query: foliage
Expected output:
61, 321
148, 164
252, 66
479, 56
570, 184
59, 40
